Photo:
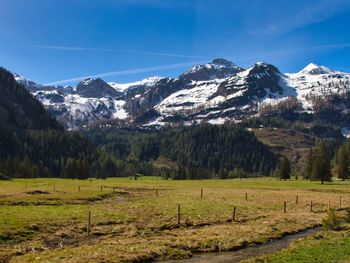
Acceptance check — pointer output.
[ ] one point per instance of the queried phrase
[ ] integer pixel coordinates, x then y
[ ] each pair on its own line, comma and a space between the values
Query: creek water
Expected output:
248, 252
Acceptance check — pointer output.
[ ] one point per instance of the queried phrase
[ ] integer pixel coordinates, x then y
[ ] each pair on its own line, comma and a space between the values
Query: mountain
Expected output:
219, 68
313, 69
32, 142
216, 92
96, 88
19, 109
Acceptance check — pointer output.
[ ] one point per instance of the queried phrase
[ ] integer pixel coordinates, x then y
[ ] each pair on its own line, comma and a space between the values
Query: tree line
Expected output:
321, 163
201, 151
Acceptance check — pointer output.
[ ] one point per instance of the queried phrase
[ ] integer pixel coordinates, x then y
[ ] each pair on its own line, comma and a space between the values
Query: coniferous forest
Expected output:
34, 144
202, 151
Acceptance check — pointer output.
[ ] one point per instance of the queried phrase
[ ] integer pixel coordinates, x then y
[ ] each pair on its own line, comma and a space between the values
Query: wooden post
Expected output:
297, 199
234, 214
89, 222
311, 210
178, 214
339, 201
26, 185
202, 193
79, 188
101, 188
246, 196
285, 206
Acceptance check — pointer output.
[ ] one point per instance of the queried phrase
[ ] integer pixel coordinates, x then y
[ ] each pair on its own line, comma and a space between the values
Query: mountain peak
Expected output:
96, 88
223, 62
314, 69
263, 67
219, 68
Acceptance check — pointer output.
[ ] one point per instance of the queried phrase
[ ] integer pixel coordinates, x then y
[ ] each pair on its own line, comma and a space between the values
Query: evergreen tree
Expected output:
321, 164
284, 169
222, 172
308, 165
343, 163
109, 168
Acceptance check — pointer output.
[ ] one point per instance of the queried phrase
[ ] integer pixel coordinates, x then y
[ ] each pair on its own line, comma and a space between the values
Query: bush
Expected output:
347, 217
332, 221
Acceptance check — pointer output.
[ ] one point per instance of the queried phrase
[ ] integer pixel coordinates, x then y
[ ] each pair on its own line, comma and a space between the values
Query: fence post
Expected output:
285, 206
79, 188
89, 222
234, 214
202, 193
246, 196
297, 199
178, 214
339, 201
101, 188
311, 210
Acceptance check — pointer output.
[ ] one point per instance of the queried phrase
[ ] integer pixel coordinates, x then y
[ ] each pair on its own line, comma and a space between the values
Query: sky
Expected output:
63, 41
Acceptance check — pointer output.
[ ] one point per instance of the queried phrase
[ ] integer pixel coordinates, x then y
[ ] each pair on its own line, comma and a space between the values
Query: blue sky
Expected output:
126, 40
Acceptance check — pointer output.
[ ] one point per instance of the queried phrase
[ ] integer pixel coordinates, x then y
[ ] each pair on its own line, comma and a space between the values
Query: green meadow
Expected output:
46, 220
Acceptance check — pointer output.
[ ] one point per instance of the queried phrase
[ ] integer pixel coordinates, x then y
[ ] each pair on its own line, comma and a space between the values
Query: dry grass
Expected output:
134, 225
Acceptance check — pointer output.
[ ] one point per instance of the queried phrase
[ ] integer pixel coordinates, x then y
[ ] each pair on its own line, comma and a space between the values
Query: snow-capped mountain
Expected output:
219, 68
215, 92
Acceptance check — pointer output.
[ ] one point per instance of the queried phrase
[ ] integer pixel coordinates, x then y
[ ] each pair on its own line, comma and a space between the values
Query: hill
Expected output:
32, 142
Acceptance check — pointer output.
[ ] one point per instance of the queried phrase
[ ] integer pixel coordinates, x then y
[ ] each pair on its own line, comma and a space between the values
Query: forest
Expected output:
33, 144
202, 151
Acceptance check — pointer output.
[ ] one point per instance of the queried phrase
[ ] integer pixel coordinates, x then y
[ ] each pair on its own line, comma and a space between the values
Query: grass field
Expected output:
45, 220
327, 246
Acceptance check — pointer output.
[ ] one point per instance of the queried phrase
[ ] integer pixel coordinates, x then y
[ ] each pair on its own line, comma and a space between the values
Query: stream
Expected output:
248, 252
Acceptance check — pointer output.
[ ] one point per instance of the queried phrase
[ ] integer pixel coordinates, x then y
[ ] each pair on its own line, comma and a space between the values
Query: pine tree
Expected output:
321, 164
308, 165
284, 169
223, 173
343, 163
109, 168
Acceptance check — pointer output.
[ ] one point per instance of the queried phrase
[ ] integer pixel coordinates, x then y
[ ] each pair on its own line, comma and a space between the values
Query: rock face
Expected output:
96, 88
215, 92
219, 68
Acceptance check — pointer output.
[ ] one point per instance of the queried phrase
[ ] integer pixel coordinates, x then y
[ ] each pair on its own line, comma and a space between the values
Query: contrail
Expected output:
126, 72
68, 48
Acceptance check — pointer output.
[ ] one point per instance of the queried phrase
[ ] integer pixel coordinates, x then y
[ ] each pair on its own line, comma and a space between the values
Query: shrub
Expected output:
332, 221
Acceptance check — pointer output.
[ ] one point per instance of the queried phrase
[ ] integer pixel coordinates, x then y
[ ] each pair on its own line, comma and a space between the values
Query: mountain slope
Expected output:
18, 108
215, 92
32, 142
202, 150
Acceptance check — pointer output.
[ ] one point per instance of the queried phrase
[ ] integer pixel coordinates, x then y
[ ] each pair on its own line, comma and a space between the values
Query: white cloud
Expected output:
126, 72
69, 48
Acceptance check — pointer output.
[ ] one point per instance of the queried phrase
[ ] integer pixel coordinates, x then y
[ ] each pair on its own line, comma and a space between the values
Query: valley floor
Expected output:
45, 220
327, 246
